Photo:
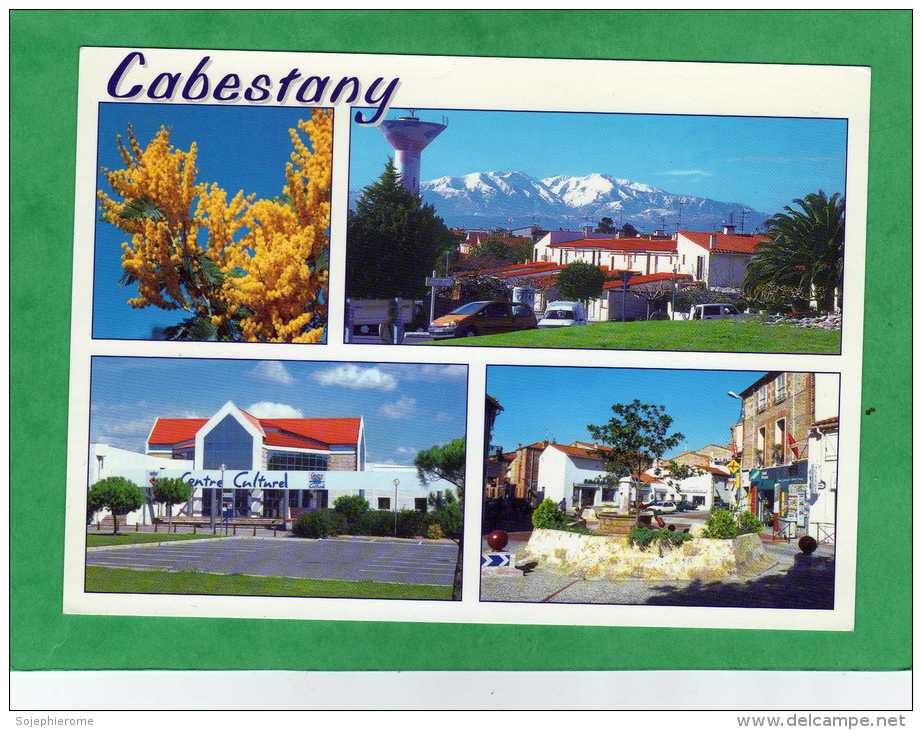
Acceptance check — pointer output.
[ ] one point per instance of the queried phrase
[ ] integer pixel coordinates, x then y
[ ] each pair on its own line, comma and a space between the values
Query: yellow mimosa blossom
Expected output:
251, 269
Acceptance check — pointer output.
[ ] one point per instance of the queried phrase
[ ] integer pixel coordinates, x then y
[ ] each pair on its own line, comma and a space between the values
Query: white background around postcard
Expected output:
484, 83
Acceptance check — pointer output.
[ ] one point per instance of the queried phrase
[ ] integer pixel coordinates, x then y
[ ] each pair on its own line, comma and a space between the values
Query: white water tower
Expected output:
409, 137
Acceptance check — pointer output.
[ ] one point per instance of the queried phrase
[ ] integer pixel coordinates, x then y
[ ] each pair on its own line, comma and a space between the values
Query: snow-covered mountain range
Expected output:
511, 199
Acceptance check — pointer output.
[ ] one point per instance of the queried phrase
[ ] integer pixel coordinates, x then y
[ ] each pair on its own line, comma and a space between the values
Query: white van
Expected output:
563, 314
714, 311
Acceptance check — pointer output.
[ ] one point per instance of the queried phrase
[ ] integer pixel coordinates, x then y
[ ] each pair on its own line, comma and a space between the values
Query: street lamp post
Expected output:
396, 484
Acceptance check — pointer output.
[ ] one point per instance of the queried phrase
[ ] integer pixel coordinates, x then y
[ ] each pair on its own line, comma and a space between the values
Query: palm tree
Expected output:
804, 252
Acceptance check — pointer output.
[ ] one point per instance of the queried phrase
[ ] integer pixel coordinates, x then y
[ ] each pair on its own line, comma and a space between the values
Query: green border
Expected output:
44, 52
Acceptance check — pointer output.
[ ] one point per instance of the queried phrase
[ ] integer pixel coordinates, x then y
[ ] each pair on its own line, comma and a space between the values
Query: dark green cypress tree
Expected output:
394, 241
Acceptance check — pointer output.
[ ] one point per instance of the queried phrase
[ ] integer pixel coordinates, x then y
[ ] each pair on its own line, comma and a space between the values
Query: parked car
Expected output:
714, 311
563, 314
661, 508
483, 318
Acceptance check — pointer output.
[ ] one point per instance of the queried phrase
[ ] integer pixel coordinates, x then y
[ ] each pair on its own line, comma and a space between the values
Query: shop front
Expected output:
779, 496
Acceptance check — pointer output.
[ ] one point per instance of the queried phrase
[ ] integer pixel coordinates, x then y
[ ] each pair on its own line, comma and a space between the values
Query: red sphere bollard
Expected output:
498, 539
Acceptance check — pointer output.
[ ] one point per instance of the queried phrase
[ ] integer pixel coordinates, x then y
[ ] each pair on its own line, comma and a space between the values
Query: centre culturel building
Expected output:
242, 466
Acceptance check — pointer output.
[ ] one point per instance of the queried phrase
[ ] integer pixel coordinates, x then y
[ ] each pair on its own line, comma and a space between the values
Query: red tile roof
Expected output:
278, 438
298, 432
513, 270
174, 430
726, 242
327, 430
647, 279
579, 451
621, 244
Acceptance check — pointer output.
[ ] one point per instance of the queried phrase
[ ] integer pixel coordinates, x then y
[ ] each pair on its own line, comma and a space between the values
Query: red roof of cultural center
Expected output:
293, 432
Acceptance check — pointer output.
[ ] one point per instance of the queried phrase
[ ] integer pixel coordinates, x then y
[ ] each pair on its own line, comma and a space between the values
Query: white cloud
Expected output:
273, 371
687, 173
134, 427
352, 376
443, 417
268, 409
436, 372
402, 408
407, 450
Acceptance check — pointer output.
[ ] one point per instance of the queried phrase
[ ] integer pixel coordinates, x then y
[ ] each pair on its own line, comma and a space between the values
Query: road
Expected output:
353, 559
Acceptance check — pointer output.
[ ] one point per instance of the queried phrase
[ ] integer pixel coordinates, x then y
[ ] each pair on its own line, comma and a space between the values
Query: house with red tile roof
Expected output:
644, 254
719, 258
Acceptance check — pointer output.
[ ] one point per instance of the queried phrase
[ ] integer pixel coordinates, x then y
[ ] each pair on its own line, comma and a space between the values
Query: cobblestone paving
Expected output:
795, 581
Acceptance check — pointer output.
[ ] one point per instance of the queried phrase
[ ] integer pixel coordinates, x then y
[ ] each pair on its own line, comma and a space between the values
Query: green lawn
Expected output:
706, 336
132, 538
122, 580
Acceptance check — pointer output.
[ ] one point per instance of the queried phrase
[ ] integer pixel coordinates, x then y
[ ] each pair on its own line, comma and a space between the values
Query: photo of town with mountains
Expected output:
601, 231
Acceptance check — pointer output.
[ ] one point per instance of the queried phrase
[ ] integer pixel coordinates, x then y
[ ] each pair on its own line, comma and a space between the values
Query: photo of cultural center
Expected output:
241, 466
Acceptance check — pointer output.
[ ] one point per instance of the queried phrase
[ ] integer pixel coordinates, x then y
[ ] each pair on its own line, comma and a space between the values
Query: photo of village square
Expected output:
621, 231
660, 487
213, 223
270, 478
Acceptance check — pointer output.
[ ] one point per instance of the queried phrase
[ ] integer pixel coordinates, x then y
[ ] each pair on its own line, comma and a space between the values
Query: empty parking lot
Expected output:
352, 559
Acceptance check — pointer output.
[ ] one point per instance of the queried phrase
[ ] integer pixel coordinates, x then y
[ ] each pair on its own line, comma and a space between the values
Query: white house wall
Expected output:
727, 270
558, 472
822, 470
827, 396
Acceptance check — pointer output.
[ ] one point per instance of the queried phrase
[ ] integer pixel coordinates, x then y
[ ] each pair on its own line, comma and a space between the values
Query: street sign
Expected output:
733, 466
440, 281
496, 560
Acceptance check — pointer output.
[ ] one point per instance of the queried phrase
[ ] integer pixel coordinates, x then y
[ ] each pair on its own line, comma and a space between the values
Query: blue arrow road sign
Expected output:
496, 560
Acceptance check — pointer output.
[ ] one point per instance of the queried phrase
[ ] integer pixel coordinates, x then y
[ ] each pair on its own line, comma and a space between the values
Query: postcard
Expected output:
460, 339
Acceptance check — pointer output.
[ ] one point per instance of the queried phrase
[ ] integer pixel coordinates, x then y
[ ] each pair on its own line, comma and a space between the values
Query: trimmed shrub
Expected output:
547, 516
351, 507
315, 525
748, 523
721, 525
435, 532
411, 523
341, 525
376, 522
643, 537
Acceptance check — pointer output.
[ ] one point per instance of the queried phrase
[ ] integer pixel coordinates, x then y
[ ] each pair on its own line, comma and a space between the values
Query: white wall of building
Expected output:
373, 485
108, 461
822, 471
558, 472
827, 396
727, 270
688, 254
698, 487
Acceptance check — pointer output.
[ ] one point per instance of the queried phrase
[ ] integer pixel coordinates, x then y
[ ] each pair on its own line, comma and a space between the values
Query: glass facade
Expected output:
293, 461
229, 444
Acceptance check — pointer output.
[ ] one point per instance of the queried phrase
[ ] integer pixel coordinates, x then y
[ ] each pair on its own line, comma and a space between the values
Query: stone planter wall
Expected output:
596, 557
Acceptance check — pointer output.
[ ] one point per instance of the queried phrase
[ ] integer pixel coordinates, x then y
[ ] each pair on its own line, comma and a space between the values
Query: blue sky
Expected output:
761, 162
406, 407
239, 147
559, 402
